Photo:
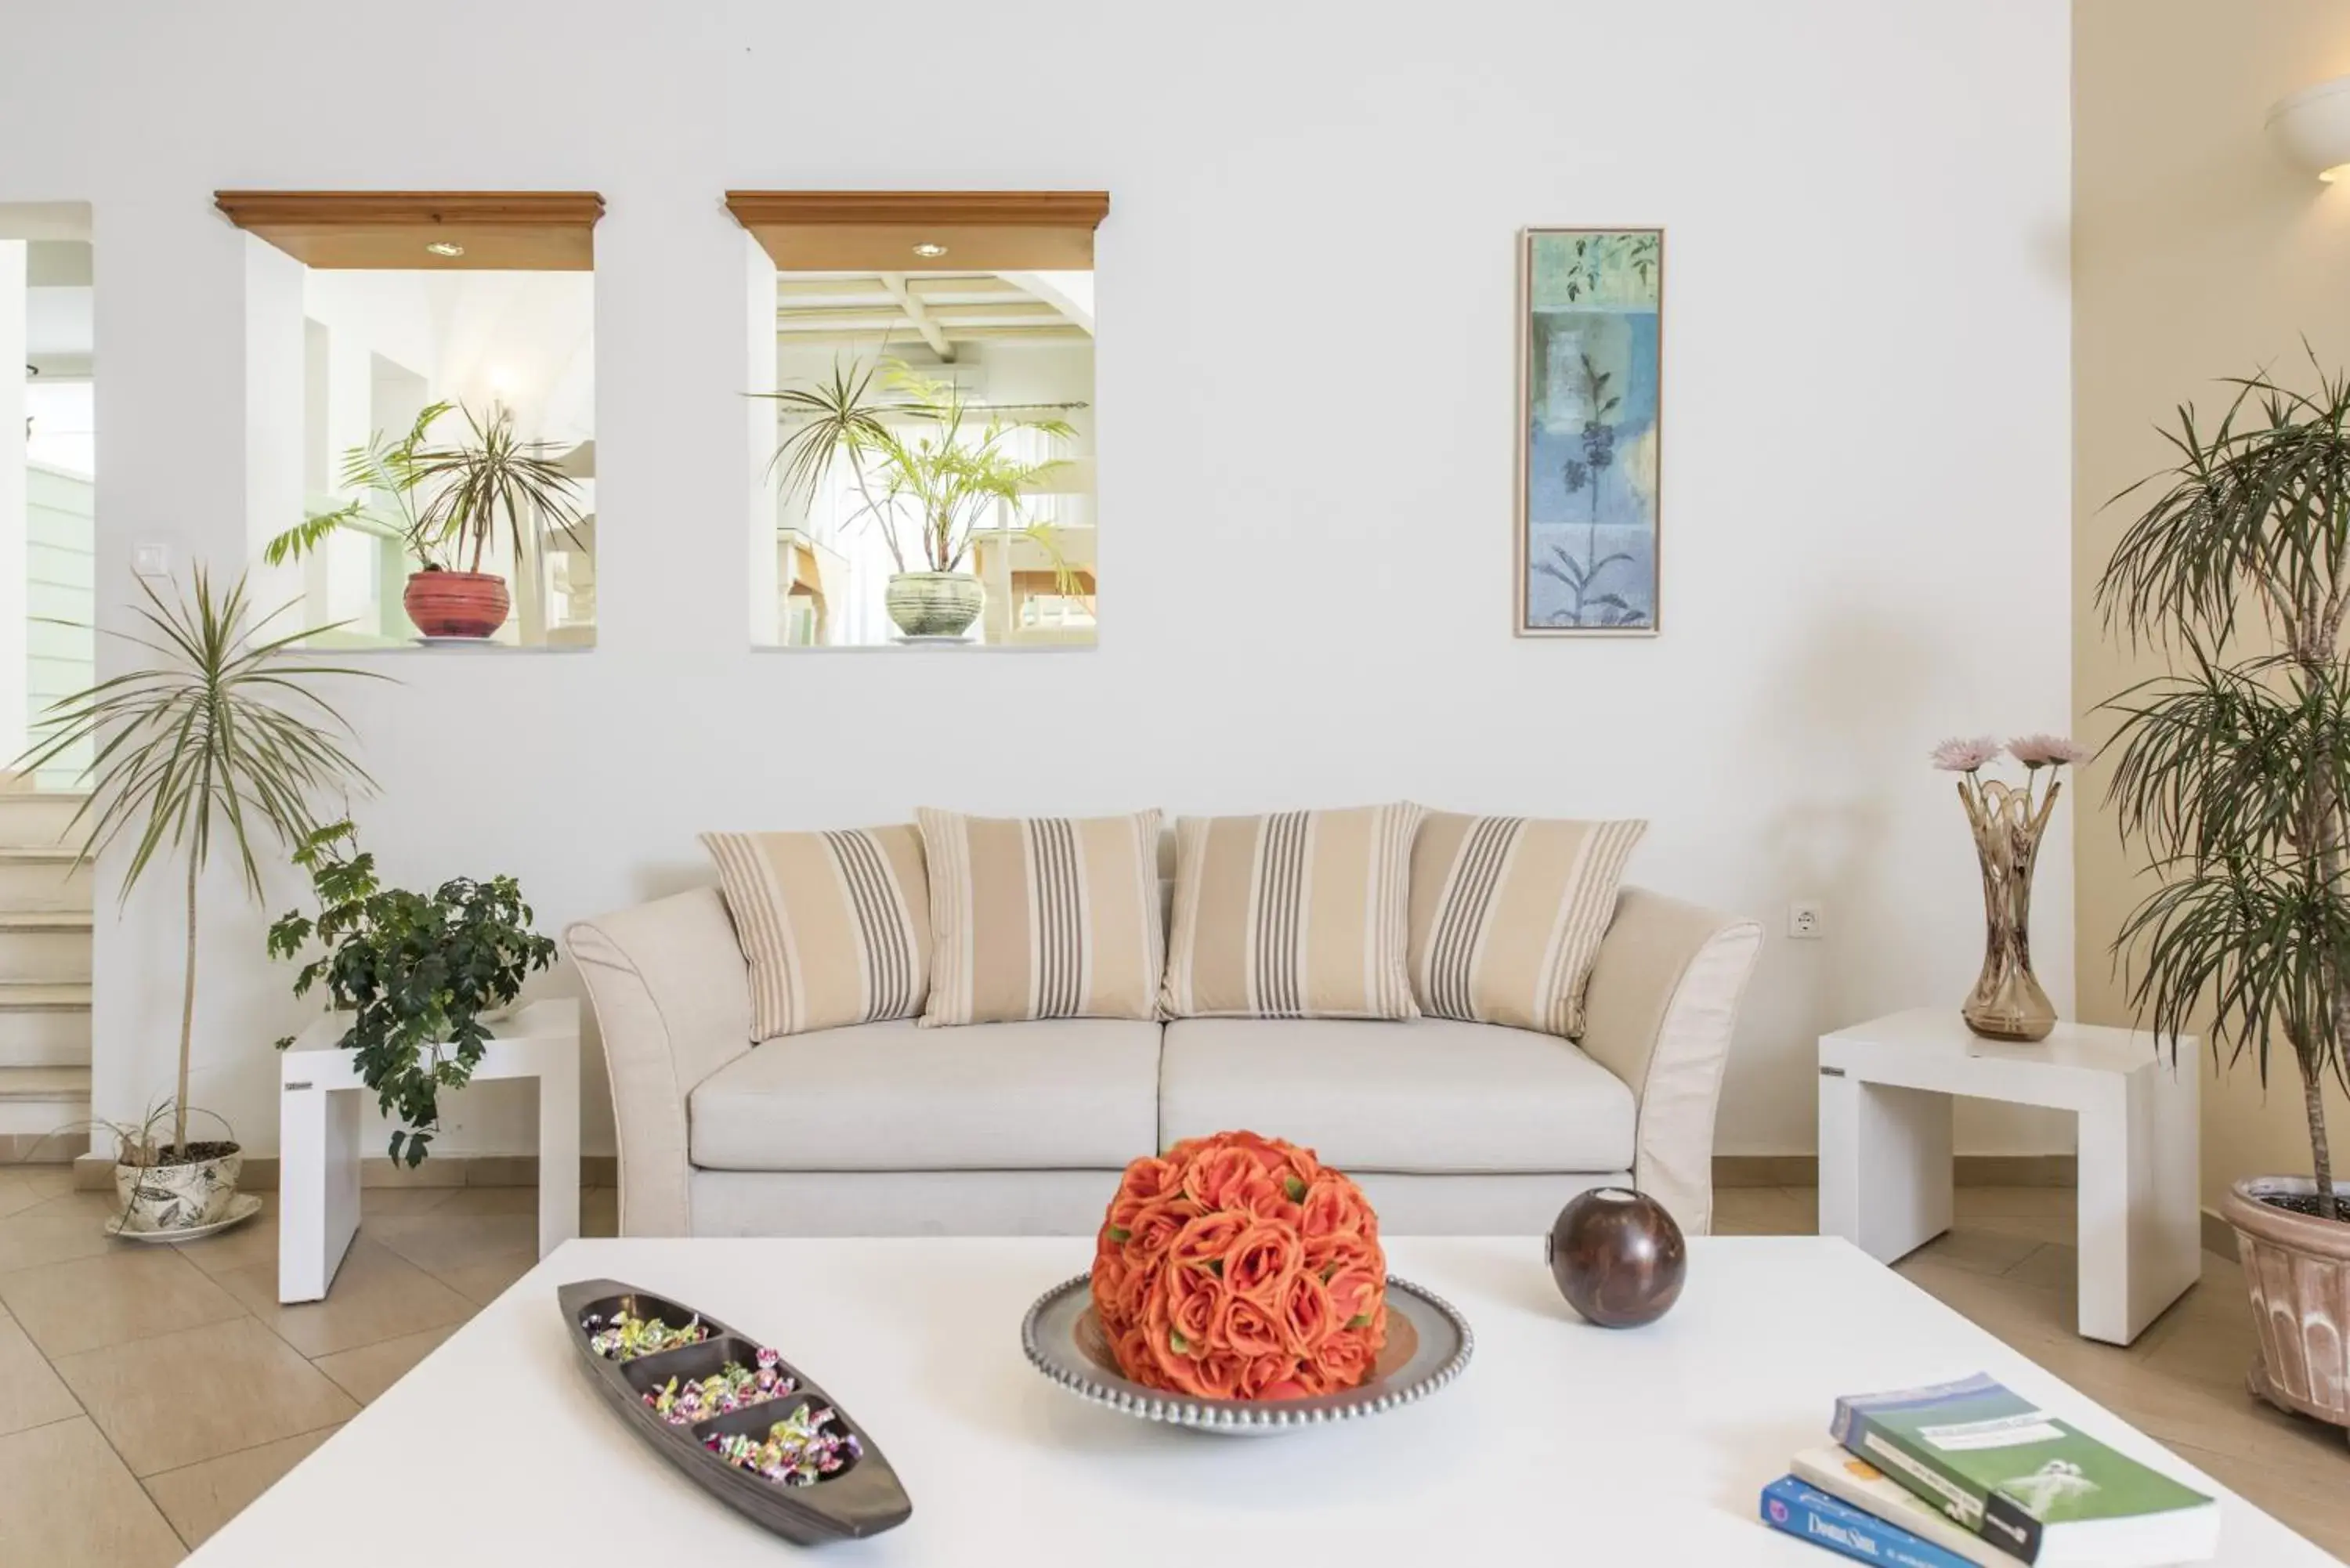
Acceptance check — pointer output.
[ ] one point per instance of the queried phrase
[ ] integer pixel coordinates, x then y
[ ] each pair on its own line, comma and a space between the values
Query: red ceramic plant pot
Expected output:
457, 604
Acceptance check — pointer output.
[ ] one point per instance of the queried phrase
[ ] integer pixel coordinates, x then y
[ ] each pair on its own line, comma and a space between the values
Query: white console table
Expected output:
324, 1115
1885, 1088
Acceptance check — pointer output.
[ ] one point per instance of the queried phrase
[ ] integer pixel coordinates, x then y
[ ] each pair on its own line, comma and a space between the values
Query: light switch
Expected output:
151, 560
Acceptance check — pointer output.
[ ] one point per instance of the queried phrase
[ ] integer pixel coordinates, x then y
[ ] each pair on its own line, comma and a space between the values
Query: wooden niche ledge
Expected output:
502, 231
829, 231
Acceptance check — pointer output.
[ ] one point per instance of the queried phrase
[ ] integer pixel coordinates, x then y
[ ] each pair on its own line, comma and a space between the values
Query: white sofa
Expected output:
1020, 1128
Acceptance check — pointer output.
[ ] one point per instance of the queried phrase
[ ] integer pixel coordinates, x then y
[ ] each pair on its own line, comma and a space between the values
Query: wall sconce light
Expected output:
2313, 127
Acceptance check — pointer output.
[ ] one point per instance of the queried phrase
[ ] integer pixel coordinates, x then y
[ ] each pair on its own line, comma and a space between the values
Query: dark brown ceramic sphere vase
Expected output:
1618, 1257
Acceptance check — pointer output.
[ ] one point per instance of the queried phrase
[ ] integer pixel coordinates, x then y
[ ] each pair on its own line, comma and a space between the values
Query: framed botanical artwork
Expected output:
1590, 336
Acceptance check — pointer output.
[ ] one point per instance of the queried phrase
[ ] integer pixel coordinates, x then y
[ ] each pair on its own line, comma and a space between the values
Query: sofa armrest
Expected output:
1662, 1004
673, 1002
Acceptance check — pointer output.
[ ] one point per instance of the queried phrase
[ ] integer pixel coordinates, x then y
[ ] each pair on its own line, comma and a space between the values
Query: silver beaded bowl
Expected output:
1063, 1342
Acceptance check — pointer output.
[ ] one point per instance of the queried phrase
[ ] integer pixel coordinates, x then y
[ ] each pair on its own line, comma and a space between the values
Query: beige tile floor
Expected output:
146, 1396
147, 1393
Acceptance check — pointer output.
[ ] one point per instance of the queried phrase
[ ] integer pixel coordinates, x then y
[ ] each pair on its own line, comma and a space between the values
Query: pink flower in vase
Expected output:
2049, 751
1965, 754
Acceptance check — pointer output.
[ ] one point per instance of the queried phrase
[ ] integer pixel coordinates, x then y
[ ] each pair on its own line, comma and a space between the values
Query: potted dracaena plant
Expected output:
447, 501
2234, 777
928, 475
216, 744
420, 976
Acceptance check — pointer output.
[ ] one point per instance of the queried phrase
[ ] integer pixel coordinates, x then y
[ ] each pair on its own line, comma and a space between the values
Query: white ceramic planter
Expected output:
177, 1197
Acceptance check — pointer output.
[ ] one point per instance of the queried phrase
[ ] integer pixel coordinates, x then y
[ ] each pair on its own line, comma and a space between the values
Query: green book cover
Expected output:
2019, 1477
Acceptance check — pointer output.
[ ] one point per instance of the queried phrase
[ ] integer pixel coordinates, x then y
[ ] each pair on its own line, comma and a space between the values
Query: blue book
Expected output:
1799, 1509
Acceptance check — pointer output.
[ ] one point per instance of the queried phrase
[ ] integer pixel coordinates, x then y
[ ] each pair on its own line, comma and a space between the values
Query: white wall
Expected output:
15, 701
1305, 415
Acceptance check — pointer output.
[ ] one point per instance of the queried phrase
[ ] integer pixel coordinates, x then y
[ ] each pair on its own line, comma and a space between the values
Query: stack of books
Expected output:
1972, 1475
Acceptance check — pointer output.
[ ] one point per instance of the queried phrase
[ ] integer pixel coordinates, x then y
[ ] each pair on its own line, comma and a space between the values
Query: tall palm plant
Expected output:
2234, 767
217, 742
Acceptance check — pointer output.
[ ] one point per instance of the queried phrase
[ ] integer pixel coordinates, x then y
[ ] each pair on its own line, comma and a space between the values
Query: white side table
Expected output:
1884, 1146
322, 1107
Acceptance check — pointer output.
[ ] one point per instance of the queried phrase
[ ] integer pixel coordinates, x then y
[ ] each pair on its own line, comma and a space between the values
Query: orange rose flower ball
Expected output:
1235, 1267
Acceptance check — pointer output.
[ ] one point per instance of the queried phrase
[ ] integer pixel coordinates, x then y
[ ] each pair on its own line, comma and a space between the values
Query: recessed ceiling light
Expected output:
445, 248
926, 249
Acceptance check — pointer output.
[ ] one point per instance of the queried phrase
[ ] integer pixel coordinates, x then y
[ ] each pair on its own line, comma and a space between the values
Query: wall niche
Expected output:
922, 371
421, 413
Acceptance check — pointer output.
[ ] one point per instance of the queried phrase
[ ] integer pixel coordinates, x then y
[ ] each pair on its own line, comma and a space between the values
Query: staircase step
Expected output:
44, 996
44, 920
44, 1025
44, 1083
37, 817
49, 946
44, 876
40, 1100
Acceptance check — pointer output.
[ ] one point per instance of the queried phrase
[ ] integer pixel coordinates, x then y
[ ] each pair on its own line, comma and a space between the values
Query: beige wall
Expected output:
2198, 253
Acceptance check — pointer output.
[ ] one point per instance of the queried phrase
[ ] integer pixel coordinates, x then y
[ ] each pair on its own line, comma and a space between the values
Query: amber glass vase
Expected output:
2007, 1003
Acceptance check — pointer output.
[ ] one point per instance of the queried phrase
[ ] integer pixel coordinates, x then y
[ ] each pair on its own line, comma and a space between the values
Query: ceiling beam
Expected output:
920, 315
950, 319
829, 331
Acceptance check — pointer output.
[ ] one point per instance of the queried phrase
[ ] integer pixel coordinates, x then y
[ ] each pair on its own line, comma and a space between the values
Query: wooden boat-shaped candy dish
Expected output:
861, 1497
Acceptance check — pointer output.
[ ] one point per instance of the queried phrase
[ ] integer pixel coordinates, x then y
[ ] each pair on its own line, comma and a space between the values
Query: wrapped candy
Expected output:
799, 1450
626, 1336
733, 1387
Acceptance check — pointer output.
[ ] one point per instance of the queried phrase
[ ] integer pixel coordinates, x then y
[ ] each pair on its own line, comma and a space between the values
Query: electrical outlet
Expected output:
151, 560
1806, 921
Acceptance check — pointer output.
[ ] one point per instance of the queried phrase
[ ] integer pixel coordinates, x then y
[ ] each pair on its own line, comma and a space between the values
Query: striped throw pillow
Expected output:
1042, 916
1300, 913
1507, 914
835, 927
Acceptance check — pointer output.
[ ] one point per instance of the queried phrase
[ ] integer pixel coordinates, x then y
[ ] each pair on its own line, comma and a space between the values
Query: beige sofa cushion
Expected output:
1507, 914
1299, 914
835, 927
1048, 917
1080, 1094
1432, 1095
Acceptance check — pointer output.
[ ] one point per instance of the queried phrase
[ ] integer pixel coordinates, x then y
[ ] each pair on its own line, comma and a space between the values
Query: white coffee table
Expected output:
1885, 1088
322, 1117
1562, 1443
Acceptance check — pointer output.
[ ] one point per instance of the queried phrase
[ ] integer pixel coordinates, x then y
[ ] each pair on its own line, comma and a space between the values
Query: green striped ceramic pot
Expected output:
934, 604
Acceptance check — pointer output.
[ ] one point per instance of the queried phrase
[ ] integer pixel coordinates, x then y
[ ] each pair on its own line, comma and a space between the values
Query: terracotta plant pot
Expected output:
2297, 1267
457, 604
181, 1196
934, 604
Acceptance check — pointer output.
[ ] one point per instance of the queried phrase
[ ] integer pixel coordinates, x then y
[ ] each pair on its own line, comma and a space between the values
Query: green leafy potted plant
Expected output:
926, 475
2234, 773
218, 742
446, 502
421, 975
